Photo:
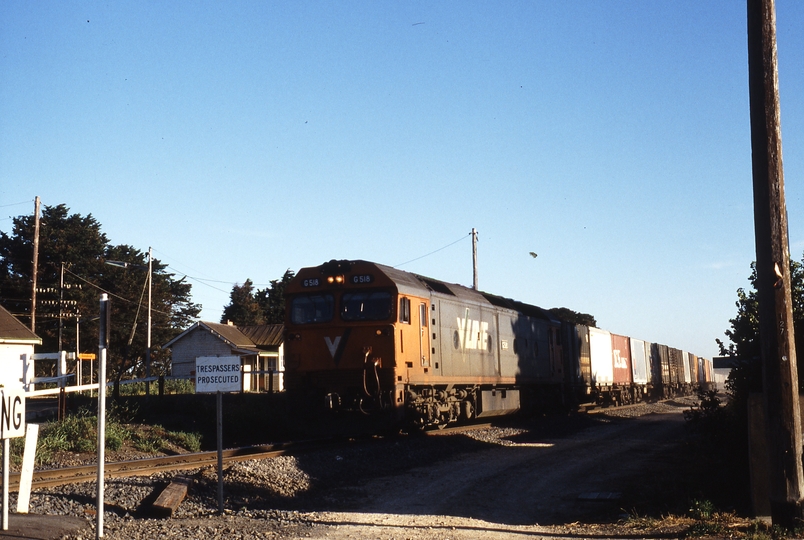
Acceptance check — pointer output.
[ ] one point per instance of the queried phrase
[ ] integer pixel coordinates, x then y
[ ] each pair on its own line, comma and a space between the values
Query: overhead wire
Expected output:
203, 281
433, 252
16, 204
98, 287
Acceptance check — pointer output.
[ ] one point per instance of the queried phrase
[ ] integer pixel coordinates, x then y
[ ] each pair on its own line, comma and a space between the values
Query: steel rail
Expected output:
148, 466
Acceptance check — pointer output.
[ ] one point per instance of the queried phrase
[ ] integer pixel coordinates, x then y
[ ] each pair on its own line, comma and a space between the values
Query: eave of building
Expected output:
13, 341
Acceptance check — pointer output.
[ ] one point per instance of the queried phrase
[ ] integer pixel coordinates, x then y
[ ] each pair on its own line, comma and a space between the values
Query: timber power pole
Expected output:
474, 258
35, 264
779, 371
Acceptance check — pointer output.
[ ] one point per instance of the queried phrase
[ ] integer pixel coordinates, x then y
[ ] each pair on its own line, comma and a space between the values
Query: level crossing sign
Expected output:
12, 413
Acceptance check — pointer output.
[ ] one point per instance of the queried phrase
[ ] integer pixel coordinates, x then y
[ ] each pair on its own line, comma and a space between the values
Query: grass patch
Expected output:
78, 433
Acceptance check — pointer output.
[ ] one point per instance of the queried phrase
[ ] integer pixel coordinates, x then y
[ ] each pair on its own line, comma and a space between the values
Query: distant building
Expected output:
260, 349
16, 351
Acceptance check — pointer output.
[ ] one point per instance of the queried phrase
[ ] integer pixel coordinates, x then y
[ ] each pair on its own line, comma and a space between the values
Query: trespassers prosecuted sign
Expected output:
217, 374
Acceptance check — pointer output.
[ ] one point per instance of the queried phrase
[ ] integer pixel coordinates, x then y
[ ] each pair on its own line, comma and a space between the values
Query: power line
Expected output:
432, 252
16, 204
91, 284
204, 281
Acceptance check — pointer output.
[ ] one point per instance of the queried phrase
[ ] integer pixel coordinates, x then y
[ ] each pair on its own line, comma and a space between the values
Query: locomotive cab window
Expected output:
404, 310
366, 306
312, 308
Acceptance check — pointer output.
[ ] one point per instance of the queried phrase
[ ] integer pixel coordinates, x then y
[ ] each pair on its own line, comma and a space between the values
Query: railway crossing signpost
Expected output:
12, 424
216, 375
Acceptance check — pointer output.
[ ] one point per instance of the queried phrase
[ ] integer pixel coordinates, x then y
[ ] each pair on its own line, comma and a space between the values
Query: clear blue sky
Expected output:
240, 139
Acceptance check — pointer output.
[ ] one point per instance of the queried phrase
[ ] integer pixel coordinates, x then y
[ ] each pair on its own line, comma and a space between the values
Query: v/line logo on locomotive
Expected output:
473, 334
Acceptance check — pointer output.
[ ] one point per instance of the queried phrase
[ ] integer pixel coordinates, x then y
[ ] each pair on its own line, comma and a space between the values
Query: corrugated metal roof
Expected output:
13, 331
247, 338
230, 333
264, 335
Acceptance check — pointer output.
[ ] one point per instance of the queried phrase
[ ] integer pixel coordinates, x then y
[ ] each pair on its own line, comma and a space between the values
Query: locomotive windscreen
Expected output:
366, 306
312, 308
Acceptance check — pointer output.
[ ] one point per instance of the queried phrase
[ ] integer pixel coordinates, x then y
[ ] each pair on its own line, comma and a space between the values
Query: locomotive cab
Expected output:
346, 323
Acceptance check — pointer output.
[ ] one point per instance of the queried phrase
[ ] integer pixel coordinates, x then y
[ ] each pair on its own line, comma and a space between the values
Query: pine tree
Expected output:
243, 308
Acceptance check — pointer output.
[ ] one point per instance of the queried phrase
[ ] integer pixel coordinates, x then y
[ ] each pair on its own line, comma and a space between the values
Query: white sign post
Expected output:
218, 374
12, 424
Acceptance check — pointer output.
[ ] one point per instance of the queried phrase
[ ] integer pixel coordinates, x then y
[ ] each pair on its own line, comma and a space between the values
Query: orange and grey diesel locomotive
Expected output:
369, 337
366, 337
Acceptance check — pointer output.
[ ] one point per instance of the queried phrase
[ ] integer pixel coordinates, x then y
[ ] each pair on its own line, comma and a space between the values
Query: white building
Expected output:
16, 351
260, 349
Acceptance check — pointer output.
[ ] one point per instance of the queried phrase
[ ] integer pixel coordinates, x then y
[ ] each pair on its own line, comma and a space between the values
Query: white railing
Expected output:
77, 388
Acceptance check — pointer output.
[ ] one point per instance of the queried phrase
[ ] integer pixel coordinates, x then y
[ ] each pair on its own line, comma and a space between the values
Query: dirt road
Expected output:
561, 486
534, 481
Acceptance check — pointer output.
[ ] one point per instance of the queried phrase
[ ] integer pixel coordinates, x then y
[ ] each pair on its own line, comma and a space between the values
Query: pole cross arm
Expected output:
122, 264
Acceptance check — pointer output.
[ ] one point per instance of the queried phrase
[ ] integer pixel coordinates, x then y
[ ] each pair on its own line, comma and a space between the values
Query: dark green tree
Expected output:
744, 332
77, 244
576, 317
171, 309
272, 299
243, 308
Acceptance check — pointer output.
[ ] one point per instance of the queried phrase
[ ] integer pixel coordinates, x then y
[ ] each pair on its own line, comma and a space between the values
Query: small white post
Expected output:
5, 484
26, 473
219, 403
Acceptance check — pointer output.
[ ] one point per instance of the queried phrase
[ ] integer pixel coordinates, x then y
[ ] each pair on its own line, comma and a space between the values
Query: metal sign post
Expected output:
218, 374
12, 424
103, 344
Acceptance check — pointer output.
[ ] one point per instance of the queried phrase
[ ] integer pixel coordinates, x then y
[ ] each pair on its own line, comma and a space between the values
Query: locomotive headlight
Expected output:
335, 279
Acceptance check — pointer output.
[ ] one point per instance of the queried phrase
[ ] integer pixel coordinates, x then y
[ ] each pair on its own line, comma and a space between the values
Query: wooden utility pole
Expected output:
474, 258
780, 375
35, 264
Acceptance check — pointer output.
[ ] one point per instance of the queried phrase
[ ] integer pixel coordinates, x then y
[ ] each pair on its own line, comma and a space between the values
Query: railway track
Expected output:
148, 466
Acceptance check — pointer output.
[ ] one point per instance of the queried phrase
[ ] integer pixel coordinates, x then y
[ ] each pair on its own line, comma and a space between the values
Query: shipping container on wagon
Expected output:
639, 361
663, 384
686, 374
676, 366
601, 359
692, 361
577, 360
621, 360
654, 364
701, 369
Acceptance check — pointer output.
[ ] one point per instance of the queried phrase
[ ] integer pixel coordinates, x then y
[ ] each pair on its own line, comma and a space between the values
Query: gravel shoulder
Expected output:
571, 477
